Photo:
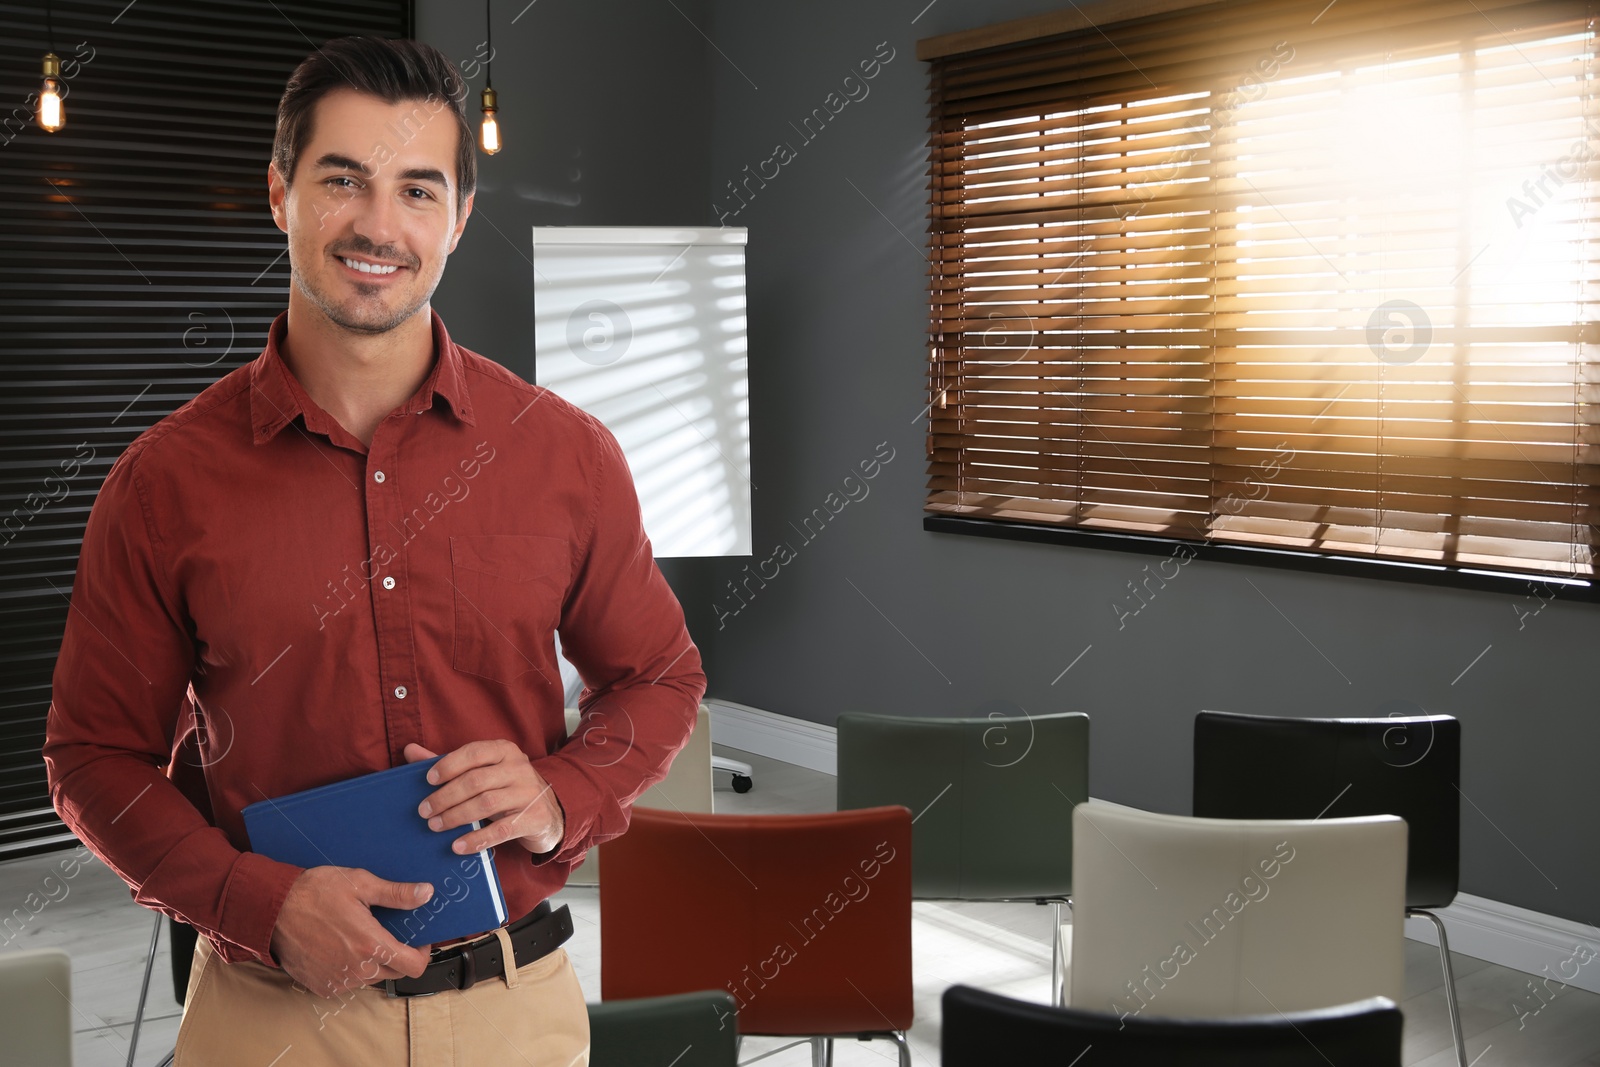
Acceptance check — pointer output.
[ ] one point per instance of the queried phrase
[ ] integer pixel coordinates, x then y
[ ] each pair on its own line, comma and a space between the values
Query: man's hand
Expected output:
492, 781
327, 939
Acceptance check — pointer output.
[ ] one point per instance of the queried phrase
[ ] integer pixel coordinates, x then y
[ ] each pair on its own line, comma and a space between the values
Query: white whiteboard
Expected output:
644, 328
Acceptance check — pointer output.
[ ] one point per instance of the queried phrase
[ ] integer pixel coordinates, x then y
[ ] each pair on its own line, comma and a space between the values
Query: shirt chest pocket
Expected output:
508, 594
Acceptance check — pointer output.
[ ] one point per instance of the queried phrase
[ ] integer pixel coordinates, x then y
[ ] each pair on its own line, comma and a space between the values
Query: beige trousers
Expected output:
250, 1015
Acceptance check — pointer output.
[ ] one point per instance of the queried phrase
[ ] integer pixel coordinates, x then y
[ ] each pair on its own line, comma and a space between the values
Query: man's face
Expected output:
371, 210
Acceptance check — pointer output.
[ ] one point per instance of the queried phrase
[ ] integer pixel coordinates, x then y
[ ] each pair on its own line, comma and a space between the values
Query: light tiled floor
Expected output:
1004, 947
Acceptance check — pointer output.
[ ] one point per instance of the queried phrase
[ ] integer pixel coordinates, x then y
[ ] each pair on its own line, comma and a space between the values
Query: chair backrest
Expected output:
1176, 916
36, 1007
1269, 767
687, 1030
805, 919
981, 1029
687, 786
994, 796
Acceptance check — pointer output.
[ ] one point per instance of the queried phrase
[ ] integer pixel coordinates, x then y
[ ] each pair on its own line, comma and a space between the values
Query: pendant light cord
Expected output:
488, 64
50, 23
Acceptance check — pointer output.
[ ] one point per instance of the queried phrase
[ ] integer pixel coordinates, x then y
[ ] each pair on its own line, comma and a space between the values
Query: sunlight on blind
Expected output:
1337, 304
645, 329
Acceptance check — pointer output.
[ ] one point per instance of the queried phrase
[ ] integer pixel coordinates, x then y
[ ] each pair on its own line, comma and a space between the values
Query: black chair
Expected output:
1268, 767
981, 1029
184, 938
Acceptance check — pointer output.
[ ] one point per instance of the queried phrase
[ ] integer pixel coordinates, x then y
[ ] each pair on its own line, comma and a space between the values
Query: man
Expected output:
351, 553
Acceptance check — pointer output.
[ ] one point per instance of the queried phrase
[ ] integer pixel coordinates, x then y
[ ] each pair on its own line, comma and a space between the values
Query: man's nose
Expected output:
377, 219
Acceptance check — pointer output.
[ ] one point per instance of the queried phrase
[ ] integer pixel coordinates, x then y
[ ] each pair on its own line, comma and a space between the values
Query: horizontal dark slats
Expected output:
138, 264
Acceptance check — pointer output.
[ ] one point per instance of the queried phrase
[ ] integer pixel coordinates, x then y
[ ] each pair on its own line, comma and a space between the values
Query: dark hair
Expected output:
390, 70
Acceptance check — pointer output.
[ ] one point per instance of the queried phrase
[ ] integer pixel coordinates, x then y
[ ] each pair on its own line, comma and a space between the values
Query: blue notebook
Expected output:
371, 822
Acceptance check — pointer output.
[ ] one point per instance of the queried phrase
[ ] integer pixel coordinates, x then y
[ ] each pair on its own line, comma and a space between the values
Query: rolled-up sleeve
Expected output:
624, 630
126, 659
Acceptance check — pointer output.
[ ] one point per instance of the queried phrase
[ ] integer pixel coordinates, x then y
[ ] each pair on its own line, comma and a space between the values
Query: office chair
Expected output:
1182, 917
994, 798
686, 1030
805, 919
1258, 767
982, 1029
36, 1007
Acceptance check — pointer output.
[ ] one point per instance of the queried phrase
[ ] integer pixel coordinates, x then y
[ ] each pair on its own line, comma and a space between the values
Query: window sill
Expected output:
1506, 582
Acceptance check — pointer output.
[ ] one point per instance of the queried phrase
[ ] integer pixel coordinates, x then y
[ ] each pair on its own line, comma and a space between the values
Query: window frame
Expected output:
1485, 577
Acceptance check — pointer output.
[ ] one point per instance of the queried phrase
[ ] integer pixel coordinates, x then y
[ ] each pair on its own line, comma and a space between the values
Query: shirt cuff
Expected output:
251, 901
579, 800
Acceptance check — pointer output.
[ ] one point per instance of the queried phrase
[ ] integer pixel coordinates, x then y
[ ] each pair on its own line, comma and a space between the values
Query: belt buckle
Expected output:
389, 991
469, 975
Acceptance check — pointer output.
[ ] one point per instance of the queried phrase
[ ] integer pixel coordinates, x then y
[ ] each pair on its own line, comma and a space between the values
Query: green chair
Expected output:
992, 799
686, 1030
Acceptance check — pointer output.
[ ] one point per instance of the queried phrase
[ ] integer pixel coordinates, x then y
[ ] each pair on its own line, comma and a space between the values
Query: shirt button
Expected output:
388, 583
377, 476
400, 692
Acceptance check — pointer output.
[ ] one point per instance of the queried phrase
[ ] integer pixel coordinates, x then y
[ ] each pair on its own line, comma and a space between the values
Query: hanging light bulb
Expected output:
51, 117
489, 134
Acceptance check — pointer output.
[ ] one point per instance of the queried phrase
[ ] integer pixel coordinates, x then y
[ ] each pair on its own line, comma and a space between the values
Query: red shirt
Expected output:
322, 604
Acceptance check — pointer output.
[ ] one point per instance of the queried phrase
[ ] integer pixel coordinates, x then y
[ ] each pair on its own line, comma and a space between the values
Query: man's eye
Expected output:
422, 194
350, 183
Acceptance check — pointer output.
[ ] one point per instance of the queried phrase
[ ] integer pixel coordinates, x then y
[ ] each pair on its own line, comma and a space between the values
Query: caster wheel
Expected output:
743, 783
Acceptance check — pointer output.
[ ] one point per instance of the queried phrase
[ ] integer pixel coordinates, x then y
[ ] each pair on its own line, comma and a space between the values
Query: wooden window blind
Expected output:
1270, 273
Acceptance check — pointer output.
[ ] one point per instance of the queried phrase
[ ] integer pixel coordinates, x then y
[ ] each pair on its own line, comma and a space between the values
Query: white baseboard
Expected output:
1504, 934
1515, 937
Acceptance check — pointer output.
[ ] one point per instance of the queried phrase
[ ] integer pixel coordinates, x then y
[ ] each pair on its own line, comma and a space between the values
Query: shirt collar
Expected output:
276, 396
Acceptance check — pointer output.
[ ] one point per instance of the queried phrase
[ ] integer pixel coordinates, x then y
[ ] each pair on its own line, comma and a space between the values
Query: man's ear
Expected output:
277, 192
461, 222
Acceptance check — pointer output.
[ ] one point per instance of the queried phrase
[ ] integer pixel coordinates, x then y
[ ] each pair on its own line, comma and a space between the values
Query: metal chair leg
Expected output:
822, 1052
905, 1049
1449, 982
144, 988
1055, 952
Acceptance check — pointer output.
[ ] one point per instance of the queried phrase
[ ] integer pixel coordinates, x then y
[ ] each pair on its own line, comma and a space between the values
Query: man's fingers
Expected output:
407, 963
473, 783
400, 895
496, 833
470, 755
415, 753
492, 804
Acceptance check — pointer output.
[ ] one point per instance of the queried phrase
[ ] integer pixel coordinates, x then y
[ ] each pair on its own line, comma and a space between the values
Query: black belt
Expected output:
534, 936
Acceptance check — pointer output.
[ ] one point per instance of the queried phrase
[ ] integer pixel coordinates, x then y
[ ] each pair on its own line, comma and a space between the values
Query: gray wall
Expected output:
605, 112
872, 613
837, 326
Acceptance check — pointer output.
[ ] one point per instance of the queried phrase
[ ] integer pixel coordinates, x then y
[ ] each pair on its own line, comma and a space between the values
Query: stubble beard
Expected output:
365, 314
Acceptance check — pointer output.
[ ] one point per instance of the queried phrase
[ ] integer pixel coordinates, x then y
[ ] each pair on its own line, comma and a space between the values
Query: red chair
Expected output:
804, 919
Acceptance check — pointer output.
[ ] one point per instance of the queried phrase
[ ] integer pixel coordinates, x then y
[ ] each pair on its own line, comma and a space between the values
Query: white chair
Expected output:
687, 786
1206, 918
36, 1007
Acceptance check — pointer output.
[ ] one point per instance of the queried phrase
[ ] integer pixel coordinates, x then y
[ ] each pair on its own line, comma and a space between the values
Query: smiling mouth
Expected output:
368, 268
